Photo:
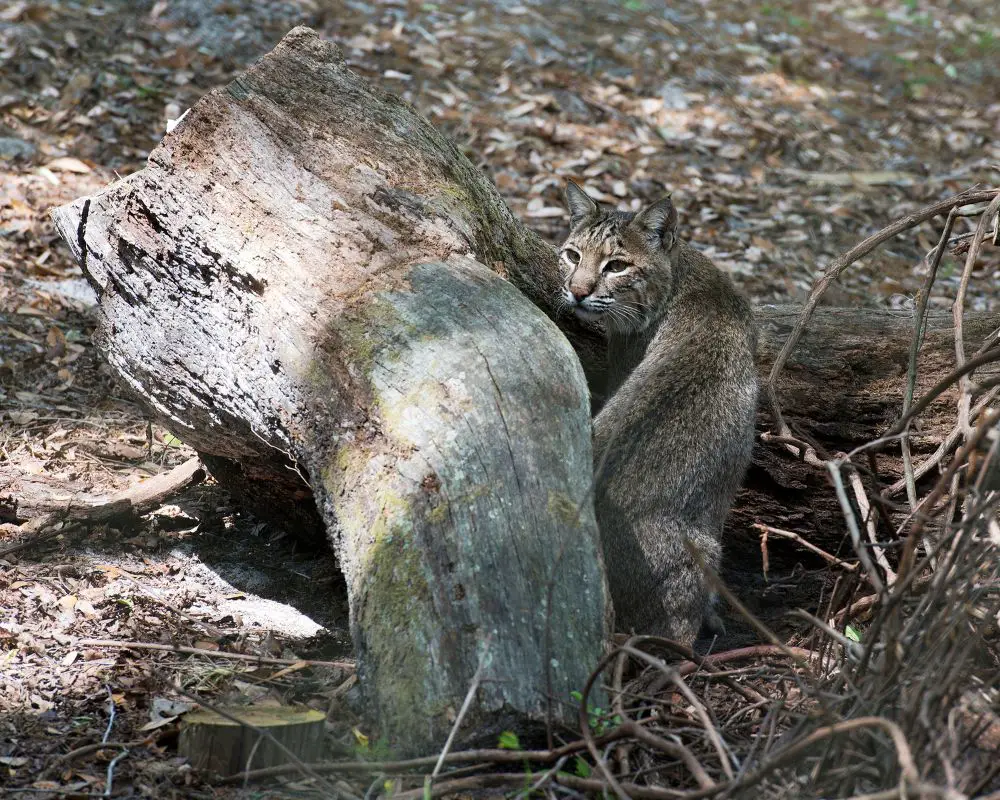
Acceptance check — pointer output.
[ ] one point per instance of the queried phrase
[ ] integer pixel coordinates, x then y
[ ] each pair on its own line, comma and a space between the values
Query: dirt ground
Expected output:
787, 131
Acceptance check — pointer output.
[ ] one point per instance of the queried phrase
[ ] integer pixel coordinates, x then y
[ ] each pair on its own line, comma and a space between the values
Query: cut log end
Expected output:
214, 743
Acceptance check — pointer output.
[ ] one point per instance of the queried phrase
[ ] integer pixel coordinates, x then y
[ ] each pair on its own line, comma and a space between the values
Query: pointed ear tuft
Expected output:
658, 222
580, 204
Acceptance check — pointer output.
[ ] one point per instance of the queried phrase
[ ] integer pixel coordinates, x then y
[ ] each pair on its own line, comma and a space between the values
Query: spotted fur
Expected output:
672, 443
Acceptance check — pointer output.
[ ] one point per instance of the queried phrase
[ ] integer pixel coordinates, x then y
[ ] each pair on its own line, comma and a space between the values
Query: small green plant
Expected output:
368, 750
581, 769
508, 741
852, 633
600, 722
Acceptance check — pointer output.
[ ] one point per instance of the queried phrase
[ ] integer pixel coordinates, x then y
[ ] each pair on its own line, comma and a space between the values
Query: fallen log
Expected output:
842, 388
306, 284
319, 293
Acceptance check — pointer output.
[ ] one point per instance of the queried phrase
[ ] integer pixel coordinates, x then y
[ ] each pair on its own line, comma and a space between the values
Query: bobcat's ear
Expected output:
580, 204
658, 223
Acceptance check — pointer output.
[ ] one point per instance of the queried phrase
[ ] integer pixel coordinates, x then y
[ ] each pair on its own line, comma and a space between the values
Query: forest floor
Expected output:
787, 131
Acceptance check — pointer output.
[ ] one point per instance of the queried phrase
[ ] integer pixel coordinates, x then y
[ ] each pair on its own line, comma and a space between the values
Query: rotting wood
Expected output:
843, 387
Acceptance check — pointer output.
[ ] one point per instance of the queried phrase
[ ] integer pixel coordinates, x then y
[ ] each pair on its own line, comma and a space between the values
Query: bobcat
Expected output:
673, 441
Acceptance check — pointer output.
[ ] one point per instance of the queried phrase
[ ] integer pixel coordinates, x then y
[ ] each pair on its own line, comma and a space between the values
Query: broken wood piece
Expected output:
216, 743
122, 509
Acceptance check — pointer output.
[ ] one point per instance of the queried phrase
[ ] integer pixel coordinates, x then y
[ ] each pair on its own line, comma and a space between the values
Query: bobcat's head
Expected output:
617, 265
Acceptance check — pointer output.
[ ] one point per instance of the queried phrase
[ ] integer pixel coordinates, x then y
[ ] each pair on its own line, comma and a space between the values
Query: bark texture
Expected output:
295, 285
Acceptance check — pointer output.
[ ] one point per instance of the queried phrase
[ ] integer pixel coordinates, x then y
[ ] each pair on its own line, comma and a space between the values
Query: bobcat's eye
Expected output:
571, 256
616, 265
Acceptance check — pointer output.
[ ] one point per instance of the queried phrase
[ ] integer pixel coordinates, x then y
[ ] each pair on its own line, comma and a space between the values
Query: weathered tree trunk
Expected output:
297, 278
307, 274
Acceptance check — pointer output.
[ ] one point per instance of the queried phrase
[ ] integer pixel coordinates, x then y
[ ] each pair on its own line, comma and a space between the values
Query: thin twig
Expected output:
674, 749
909, 549
808, 545
871, 527
719, 586
852, 527
699, 708
920, 320
903, 754
424, 762
197, 651
853, 648
756, 651
588, 736
946, 445
111, 771
708, 663
492, 780
111, 714
86, 750
990, 356
958, 313
484, 660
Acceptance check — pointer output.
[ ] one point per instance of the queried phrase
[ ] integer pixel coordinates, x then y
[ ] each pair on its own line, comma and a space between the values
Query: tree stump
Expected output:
215, 743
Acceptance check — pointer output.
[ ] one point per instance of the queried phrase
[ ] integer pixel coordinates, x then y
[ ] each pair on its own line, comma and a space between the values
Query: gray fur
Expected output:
672, 444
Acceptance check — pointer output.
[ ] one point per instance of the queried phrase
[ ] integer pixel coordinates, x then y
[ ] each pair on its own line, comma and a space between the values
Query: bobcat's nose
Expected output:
578, 294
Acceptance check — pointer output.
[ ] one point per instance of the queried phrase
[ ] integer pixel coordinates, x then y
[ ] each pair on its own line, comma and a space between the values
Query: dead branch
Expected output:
831, 559
197, 651
958, 309
460, 757
122, 509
